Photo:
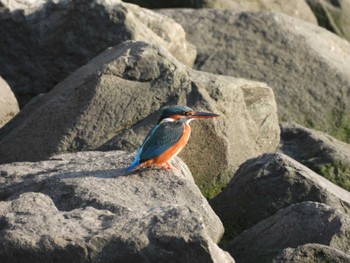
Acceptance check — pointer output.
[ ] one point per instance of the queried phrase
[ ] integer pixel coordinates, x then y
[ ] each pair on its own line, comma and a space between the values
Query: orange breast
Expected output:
176, 148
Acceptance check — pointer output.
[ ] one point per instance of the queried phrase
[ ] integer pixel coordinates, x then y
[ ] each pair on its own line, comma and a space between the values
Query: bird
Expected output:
167, 138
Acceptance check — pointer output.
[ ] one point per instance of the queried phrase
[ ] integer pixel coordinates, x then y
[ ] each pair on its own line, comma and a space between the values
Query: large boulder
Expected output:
333, 15
82, 208
113, 102
8, 103
312, 253
320, 152
266, 184
298, 224
296, 8
307, 66
51, 39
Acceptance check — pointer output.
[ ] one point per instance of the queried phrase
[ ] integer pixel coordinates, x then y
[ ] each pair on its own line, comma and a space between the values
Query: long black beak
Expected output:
202, 115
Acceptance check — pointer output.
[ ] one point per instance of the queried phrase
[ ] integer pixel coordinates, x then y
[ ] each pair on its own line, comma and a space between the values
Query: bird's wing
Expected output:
160, 139
137, 160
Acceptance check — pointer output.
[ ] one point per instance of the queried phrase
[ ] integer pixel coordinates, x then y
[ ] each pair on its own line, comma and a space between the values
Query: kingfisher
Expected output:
167, 138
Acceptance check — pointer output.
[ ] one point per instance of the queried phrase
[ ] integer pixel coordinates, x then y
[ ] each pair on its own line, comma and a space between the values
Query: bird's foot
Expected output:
169, 166
166, 166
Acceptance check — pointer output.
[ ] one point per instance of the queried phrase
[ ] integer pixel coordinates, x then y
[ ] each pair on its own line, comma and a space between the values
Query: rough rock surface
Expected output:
311, 253
319, 151
266, 184
82, 208
51, 39
302, 223
307, 66
113, 102
8, 103
333, 15
296, 8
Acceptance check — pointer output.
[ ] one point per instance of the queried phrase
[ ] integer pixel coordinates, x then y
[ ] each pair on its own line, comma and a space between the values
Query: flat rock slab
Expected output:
266, 184
82, 208
298, 224
312, 253
52, 39
320, 152
115, 100
305, 65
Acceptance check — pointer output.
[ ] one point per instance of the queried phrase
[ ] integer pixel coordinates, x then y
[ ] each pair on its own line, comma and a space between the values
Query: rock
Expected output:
333, 15
298, 224
52, 39
82, 208
8, 103
113, 102
264, 185
306, 66
319, 151
311, 253
297, 8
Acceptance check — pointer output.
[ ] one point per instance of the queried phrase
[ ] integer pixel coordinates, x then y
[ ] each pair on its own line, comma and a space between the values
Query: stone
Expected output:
311, 253
333, 15
305, 65
296, 8
52, 39
8, 103
298, 224
319, 151
82, 207
114, 101
264, 185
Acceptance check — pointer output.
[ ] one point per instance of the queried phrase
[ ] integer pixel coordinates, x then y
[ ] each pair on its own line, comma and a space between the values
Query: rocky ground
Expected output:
82, 83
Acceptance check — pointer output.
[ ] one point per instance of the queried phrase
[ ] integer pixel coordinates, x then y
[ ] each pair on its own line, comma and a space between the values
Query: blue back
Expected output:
159, 139
164, 136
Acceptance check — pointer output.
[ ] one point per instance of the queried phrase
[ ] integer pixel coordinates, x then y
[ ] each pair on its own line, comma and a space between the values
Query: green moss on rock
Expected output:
212, 188
337, 172
341, 124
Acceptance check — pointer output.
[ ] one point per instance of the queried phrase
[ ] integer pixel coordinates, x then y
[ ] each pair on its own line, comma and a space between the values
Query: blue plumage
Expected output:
167, 112
134, 164
137, 162
167, 133
160, 139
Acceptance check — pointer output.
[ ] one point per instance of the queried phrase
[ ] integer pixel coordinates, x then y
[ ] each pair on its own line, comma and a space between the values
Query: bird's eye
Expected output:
185, 113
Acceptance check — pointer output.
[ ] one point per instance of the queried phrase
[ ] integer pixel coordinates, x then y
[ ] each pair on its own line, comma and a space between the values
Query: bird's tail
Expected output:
133, 165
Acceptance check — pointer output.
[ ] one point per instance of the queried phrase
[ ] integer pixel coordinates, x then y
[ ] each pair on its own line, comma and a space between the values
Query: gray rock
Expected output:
113, 102
306, 65
266, 184
333, 15
82, 208
298, 224
296, 8
8, 103
319, 151
311, 253
51, 39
